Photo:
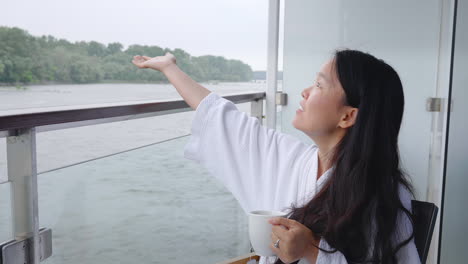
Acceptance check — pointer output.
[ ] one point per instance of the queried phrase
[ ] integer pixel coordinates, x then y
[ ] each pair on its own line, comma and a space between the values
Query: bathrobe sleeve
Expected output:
257, 164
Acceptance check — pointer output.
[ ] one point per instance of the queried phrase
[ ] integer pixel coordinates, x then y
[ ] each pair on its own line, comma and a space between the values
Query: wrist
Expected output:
312, 252
168, 68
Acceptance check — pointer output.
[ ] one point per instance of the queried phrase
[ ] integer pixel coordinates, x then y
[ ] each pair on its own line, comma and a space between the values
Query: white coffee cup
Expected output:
260, 231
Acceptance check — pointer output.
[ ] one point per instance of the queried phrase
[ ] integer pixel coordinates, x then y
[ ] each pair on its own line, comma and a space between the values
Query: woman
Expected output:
348, 198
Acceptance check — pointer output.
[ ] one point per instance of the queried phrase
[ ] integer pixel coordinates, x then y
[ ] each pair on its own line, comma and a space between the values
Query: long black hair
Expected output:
356, 210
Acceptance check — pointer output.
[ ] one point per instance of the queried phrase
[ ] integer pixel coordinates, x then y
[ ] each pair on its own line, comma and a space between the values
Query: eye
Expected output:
318, 84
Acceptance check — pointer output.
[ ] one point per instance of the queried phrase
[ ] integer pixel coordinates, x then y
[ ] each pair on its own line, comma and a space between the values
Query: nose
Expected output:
304, 93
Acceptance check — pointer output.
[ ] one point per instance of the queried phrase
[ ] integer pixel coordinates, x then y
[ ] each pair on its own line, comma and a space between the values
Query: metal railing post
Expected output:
22, 174
256, 110
272, 61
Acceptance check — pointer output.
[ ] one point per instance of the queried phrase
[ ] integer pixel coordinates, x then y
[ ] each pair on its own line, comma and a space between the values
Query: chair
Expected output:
424, 219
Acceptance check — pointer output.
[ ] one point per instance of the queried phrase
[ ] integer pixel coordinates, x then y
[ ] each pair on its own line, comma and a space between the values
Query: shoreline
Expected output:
70, 83
26, 85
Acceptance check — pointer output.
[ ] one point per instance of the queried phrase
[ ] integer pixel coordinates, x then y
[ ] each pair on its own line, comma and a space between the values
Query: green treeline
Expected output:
28, 59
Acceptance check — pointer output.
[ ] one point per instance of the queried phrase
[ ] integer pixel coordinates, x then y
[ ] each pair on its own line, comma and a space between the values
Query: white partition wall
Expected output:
403, 33
412, 36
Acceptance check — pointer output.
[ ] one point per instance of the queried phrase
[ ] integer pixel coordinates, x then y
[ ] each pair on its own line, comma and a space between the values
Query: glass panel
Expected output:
5, 213
69, 146
5, 205
3, 161
147, 205
455, 209
56, 149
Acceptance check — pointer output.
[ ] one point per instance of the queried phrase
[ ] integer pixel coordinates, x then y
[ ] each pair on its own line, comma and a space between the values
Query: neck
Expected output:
326, 147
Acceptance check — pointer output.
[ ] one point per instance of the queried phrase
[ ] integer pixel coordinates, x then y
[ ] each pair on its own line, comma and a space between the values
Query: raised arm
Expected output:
192, 92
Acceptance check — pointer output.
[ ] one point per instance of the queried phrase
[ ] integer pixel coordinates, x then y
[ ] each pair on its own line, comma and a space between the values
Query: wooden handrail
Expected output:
241, 259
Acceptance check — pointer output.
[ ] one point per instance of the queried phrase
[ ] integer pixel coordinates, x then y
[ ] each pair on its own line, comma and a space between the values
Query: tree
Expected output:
96, 49
113, 48
28, 59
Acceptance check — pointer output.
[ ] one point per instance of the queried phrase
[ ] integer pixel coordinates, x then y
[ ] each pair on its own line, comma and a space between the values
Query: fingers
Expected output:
281, 226
282, 221
136, 58
279, 232
275, 250
141, 58
139, 61
273, 237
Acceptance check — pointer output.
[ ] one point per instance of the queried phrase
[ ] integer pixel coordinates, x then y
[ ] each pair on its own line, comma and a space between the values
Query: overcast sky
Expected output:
235, 29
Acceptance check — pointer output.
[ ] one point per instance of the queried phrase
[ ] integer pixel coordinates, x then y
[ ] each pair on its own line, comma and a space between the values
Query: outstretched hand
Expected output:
159, 63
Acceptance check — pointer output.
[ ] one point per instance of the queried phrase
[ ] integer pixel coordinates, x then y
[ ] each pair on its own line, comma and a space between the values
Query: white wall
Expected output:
412, 36
403, 33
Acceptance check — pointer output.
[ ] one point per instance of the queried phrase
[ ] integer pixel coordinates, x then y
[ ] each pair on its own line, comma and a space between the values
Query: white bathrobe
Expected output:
265, 169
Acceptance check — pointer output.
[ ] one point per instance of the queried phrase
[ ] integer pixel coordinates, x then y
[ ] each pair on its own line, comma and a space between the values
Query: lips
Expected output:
300, 107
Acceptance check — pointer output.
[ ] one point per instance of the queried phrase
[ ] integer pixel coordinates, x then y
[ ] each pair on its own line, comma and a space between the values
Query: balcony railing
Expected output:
20, 128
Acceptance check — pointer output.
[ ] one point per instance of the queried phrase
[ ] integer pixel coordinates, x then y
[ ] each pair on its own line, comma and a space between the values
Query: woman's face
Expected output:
322, 104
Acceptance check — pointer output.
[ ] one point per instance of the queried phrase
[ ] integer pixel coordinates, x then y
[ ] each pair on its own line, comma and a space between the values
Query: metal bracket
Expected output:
434, 104
21, 252
281, 98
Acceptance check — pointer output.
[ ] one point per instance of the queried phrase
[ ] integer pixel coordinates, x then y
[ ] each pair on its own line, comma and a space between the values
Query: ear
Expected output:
349, 117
